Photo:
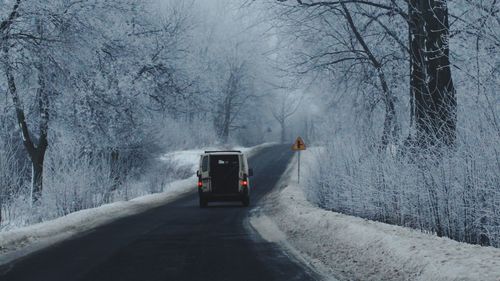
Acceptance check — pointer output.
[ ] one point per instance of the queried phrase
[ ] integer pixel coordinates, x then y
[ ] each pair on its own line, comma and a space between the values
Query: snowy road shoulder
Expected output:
352, 248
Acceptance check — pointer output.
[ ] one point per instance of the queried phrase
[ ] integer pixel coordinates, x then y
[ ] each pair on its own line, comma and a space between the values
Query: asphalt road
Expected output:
177, 241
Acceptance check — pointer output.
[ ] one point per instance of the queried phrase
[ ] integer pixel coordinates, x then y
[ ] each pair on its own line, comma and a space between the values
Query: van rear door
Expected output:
224, 172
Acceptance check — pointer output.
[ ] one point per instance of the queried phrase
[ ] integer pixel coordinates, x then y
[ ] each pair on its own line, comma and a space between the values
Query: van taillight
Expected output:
200, 184
244, 183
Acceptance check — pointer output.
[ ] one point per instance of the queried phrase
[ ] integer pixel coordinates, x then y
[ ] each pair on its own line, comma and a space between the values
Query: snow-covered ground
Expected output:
22, 241
350, 248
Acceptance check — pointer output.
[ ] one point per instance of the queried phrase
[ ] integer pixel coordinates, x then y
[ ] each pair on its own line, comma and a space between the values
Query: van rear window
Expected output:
225, 160
204, 164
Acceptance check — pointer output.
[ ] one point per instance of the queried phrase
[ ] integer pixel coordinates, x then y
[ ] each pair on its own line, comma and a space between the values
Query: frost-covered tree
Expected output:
90, 67
439, 60
283, 106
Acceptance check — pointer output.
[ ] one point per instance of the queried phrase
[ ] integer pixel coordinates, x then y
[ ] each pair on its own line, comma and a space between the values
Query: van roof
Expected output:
223, 152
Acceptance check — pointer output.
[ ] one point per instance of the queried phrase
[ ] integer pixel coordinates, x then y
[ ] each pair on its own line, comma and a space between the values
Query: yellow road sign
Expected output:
299, 144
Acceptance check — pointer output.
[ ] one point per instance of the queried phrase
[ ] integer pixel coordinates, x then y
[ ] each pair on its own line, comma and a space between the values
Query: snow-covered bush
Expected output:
13, 175
454, 194
76, 178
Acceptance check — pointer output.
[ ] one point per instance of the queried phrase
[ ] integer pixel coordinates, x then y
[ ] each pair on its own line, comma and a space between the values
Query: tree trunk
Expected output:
432, 89
283, 131
230, 92
115, 168
114, 174
418, 89
391, 127
35, 152
37, 179
226, 123
441, 88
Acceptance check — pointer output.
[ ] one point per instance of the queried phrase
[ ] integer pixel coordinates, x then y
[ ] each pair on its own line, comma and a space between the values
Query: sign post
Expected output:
298, 145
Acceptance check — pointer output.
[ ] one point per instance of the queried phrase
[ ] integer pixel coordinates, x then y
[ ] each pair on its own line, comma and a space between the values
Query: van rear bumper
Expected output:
212, 197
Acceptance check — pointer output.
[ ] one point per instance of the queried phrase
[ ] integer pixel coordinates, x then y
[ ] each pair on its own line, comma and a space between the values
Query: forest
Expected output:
399, 95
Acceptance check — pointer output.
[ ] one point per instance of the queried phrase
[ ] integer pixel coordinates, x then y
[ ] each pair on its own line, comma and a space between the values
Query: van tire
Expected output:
246, 201
203, 202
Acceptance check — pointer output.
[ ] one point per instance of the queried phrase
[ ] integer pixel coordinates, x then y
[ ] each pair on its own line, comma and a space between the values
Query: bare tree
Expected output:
36, 148
347, 51
233, 98
391, 126
432, 89
284, 106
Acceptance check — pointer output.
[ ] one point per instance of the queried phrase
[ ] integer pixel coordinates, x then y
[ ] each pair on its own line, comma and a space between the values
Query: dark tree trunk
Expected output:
391, 127
37, 151
418, 90
433, 92
37, 178
283, 131
441, 88
226, 122
38, 156
229, 104
115, 168
114, 174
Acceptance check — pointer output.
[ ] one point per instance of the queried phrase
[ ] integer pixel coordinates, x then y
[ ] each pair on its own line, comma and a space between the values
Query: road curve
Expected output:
177, 241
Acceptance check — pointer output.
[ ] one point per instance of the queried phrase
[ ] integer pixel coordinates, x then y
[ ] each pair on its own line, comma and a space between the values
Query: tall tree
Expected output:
235, 93
36, 148
284, 106
391, 126
431, 81
432, 89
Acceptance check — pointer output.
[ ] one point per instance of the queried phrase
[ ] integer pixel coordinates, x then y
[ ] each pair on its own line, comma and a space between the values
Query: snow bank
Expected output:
22, 241
357, 249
